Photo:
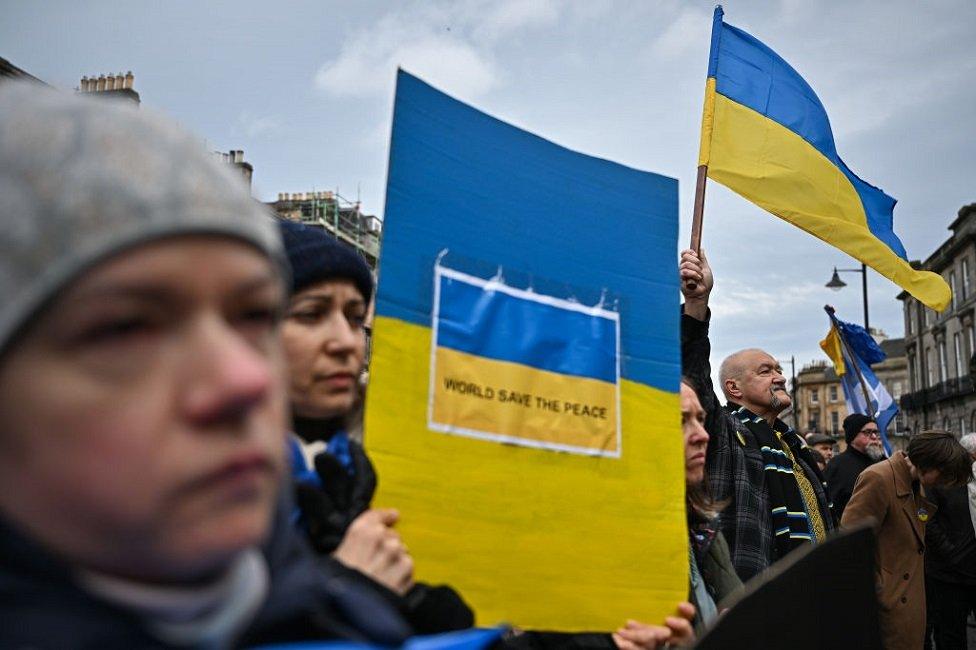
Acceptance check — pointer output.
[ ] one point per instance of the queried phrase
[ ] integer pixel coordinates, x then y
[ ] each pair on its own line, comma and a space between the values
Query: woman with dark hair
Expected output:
892, 495
325, 347
713, 578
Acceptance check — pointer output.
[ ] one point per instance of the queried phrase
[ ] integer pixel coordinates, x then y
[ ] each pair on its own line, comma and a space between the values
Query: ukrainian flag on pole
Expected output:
766, 136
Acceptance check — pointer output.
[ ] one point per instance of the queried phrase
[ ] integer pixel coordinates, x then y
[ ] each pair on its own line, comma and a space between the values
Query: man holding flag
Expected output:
776, 496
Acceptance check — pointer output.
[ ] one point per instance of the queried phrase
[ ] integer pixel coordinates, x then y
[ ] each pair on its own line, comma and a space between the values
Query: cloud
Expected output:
255, 126
451, 45
503, 18
740, 299
685, 34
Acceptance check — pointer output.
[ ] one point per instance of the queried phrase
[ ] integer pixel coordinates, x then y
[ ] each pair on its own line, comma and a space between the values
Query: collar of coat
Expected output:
902, 474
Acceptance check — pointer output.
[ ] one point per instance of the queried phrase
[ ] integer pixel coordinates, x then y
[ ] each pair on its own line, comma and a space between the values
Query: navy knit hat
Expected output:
853, 424
315, 256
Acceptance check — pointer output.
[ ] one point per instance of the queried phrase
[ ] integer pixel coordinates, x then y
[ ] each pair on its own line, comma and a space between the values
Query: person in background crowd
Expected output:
823, 444
325, 346
950, 562
142, 398
819, 460
756, 463
968, 442
863, 450
893, 495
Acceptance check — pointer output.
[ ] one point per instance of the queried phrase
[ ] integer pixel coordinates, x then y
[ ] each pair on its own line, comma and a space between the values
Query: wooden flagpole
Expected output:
698, 214
699, 211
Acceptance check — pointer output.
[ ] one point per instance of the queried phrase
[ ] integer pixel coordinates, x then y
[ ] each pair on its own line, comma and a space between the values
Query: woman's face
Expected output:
142, 414
325, 345
695, 436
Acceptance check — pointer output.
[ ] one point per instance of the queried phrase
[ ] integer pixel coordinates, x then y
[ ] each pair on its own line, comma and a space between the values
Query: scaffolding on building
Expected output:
342, 218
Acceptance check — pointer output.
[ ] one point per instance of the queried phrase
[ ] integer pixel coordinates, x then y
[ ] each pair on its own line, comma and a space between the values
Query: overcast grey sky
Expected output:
306, 89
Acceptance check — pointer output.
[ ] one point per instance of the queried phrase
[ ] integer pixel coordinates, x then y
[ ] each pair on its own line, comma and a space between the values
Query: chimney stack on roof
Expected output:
118, 84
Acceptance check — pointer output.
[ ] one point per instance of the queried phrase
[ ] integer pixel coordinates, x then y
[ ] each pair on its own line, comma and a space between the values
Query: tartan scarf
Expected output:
790, 520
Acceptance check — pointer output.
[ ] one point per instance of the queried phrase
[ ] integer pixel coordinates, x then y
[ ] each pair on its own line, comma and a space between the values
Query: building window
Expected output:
965, 278
972, 343
929, 366
814, 396
962, 426
957, 348
913, 380
943, 366
910, 315
952, 286
833, 393
945, 424
834, 422
896, 389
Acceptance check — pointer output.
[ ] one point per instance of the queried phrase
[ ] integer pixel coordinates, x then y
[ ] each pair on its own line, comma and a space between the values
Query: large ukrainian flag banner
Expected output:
523, 406
766, 136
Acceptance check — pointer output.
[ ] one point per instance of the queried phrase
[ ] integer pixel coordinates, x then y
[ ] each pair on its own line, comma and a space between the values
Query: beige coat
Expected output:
884, 492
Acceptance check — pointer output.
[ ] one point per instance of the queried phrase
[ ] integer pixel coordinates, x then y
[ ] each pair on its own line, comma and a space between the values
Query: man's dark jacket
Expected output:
734, 465
949, 536
841, 474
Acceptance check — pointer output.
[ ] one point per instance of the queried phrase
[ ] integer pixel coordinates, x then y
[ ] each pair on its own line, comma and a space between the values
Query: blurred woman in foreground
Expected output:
142, 397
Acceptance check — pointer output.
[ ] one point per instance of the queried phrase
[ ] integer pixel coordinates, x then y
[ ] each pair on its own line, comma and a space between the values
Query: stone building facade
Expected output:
941, 347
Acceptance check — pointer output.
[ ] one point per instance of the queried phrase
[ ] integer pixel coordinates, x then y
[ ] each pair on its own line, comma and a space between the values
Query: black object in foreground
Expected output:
818, 598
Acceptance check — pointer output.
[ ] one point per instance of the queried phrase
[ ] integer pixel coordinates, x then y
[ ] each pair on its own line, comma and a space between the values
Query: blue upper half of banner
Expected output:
466, 183
750, 73
536, 331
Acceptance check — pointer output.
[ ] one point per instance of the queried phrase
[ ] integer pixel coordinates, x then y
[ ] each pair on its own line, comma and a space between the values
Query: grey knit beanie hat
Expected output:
82, 179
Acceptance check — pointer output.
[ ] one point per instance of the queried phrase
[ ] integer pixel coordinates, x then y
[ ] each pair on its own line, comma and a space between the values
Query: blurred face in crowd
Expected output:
695, 436
868, 441
144, 411
325, 344
826, 450
757, 382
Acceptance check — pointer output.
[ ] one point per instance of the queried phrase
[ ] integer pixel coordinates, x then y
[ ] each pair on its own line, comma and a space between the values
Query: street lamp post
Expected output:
836, 284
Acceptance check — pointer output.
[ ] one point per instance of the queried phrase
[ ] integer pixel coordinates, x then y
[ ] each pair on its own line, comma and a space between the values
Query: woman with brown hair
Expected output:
712, 578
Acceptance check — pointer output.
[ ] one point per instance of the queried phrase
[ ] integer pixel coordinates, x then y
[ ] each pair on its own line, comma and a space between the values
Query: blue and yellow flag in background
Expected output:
523, 410
766, 136
853, 351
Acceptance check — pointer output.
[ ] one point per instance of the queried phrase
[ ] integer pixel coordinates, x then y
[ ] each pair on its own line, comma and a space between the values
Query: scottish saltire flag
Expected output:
523, 401
766, 136
852, 351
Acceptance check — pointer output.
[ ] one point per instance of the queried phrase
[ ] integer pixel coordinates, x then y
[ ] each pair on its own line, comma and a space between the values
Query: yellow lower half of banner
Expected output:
781, 172
511, 402
538, 538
